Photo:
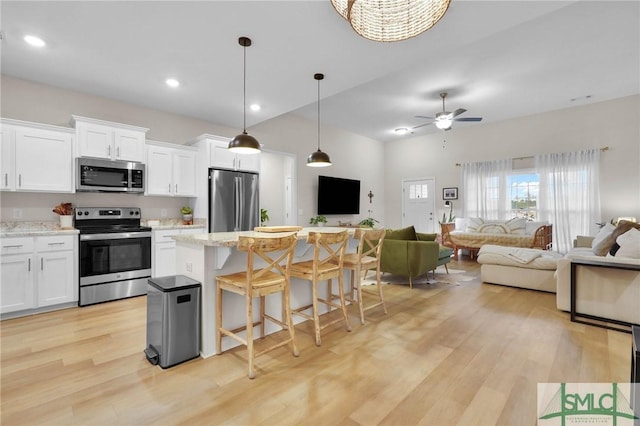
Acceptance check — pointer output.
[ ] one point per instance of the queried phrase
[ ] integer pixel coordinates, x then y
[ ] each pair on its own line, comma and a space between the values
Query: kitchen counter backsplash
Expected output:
173, 223
33, 228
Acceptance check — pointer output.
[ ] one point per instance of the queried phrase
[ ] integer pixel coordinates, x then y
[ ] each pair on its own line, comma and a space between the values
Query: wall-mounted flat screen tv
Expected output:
338, 195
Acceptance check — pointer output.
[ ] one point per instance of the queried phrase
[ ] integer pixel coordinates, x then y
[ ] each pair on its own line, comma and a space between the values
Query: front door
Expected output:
418, 204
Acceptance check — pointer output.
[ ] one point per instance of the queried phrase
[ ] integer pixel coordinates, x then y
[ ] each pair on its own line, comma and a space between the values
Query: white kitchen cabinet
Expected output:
220, 157
55, 263
38, 272
36, 157
171, 170
164, 250
17, 274
109, 140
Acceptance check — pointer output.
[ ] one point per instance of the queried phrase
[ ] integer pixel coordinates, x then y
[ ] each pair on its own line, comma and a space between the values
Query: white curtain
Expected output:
484, 187
569, 196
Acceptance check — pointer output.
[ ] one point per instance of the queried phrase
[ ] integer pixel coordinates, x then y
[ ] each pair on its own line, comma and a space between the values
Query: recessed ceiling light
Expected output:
34, 41
255, 107
401, 131
172, 82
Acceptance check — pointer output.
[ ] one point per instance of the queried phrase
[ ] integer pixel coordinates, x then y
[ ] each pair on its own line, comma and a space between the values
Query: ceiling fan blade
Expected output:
420, 125
422, 116
458, 112
468, 119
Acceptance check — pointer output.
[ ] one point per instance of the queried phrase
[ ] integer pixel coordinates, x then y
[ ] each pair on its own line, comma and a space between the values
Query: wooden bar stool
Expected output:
328, 255
273, 278
365, 259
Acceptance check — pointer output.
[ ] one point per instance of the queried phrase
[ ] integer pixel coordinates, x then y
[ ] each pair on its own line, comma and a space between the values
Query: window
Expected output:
523, 194
419, 190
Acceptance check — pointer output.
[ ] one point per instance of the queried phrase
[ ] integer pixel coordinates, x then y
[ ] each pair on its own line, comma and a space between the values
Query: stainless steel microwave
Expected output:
96, 175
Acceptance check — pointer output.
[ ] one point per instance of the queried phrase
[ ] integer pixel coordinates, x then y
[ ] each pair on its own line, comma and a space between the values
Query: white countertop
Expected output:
230, 239
34, 229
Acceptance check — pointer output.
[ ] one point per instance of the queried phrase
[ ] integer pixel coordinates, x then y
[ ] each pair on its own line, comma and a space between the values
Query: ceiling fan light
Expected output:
443, 123
244, 144
318, 159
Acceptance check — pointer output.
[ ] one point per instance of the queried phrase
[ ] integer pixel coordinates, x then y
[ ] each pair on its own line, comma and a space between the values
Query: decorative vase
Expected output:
187, 219
66, 221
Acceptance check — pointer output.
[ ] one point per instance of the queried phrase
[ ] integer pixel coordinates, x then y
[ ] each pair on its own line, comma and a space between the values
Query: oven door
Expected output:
114, 257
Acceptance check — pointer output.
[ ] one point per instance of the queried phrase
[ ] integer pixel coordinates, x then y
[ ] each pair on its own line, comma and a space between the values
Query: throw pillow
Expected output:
516, 225
474, 223
603, 246
426, 237
604, 232
408, 233
493, 227
629, 243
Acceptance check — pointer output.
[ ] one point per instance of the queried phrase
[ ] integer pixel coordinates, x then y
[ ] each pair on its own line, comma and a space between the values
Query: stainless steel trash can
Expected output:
173, 320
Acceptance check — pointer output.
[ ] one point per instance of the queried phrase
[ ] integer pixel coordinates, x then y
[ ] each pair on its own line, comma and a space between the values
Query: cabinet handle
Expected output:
29, 266
169, 191
108, 150
20, 180
16, 246
55, 244
6, 179
239, 163
176, 188
118, 152
41, 264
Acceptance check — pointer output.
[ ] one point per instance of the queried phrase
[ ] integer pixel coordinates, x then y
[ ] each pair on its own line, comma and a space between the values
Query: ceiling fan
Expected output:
444, 119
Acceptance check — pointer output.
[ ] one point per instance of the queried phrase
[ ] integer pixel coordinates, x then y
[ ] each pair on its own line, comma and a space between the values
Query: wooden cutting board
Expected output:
277, 228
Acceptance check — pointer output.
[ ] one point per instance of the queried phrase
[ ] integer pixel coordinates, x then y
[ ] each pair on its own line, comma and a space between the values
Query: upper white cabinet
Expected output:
220, 157
105, 139
36, 157
171, 170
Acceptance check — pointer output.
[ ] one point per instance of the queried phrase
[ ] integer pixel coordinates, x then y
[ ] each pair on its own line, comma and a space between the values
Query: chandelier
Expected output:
391, 20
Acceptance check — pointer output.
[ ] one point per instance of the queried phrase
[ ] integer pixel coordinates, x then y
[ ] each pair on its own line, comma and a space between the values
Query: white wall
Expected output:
353, 157
614, 123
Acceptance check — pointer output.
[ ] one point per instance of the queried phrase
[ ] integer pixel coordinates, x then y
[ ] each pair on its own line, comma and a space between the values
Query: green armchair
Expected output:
411, 254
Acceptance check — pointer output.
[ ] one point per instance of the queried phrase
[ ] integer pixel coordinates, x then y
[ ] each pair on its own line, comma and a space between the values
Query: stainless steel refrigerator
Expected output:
233, 201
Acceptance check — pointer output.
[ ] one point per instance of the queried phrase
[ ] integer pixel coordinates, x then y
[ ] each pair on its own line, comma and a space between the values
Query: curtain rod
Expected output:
604, 148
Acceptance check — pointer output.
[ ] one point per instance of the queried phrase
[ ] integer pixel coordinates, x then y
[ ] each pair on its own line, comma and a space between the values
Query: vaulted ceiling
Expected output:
497, 59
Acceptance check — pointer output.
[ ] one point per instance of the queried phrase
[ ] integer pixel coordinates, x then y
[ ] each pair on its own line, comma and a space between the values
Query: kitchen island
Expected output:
205, 256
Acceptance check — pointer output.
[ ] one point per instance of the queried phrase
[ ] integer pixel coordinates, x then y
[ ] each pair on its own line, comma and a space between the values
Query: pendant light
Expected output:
318, 158
244, 143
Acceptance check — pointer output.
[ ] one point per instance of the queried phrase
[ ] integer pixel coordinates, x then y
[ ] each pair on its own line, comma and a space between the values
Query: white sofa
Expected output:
519, 267
603, 292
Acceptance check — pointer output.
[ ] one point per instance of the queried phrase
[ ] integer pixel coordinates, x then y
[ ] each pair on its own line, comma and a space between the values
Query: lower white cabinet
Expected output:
38, 272
164, 250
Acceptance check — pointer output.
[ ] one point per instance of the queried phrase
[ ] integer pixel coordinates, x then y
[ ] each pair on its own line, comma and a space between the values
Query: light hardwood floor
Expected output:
467, 353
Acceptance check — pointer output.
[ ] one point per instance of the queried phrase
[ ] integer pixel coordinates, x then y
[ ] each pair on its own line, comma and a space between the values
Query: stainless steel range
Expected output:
115, 254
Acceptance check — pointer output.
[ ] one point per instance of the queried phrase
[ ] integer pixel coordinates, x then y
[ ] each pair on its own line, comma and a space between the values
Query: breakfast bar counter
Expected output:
205, 256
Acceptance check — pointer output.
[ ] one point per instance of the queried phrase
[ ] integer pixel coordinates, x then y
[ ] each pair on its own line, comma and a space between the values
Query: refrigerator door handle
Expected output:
237, 203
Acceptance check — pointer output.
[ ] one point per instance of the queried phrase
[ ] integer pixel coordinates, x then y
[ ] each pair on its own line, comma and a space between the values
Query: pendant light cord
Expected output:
244, 91
318, 115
